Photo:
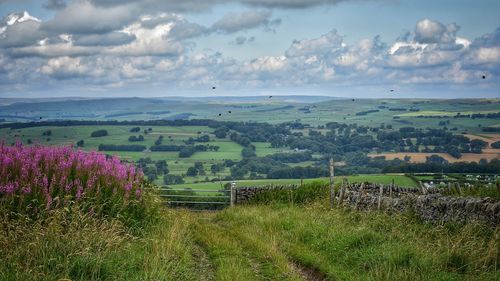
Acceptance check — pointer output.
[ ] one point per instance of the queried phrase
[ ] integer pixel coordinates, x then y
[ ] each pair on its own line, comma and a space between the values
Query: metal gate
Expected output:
198, 199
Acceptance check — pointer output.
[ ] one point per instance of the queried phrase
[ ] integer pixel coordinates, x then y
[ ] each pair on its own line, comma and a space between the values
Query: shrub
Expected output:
289, 195
134, 138
36, 179
496, 144
173, 179
99, 133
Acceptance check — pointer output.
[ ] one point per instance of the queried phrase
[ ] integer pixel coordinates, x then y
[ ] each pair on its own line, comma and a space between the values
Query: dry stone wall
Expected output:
428, 204
430, 207
245, 194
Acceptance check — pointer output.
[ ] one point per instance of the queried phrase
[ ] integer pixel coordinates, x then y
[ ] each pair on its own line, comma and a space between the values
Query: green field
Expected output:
172, 135
310, 111
444, 113
399, 180
120, 134
307, 109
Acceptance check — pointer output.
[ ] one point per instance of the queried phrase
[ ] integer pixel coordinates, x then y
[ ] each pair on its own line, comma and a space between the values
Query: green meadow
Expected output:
228, 150
400, 180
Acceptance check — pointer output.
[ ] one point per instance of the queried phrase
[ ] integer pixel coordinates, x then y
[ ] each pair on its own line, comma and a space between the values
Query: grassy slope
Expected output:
357, 246
274, 242
79, 247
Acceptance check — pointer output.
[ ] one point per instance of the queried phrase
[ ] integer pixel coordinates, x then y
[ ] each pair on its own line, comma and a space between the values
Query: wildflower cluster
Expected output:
38, 176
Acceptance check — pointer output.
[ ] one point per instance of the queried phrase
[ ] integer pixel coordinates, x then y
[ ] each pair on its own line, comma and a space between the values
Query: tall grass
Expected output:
352, 245
302, 194
79, 246
475, 190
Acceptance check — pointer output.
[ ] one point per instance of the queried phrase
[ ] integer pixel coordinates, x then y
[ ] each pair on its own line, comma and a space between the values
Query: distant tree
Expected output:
134, 138
187, 151
150, 172
173, 179
215, 168
453, 151
80, 143
47, 133
199, 167
435, 159
192, 172
99, 133
162, 167
135, 129
221, 132
159, 140
204, 138
247, 152
496, 145
238, 172
477, 145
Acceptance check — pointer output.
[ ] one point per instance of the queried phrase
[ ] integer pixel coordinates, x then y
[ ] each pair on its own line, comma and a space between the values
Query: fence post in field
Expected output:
233, 193
332, 184
421, 187
459, 189
379, 204
449, 188
360, 194
391, 187
342, 190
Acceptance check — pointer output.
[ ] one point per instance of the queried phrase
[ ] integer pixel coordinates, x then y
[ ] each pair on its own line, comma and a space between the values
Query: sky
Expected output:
343, 48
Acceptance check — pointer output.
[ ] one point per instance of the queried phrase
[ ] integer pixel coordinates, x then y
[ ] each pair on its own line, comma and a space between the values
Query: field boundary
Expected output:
198, 199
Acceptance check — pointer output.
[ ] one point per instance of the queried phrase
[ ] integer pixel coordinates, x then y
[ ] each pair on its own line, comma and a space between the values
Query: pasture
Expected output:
419, 157
313, 110
228, 150
399, 179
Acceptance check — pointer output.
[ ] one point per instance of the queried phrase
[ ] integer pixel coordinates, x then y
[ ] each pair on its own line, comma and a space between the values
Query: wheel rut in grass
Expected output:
308, 273
204, 268
230, 261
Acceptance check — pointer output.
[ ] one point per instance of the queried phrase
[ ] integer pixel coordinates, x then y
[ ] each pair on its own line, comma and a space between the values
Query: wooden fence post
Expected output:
360, 194
391, 187
379, 204
233, 193
332, 184
342, 190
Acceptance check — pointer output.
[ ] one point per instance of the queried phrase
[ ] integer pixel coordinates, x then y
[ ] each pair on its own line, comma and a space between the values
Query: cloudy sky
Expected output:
362, 48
